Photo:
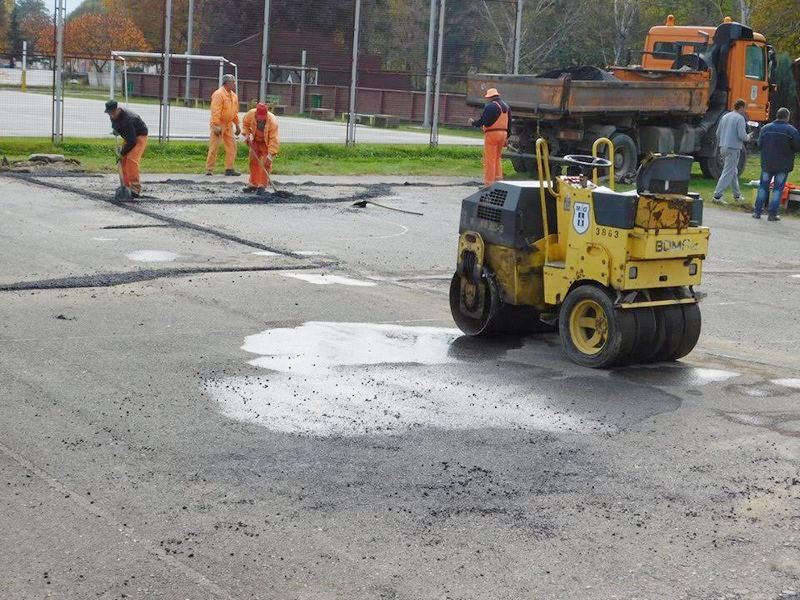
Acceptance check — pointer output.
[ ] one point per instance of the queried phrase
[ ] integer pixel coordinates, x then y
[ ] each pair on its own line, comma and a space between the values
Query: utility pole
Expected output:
189, 30
163, 134
517, 36
351, 121
262, 88
438, 91
58, 87
429, 70
303, 60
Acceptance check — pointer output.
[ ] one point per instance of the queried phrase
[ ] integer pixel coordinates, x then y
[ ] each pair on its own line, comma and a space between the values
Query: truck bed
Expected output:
632, 91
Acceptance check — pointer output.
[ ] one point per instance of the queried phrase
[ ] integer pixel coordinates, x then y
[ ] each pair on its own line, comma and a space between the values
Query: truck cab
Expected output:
748, 61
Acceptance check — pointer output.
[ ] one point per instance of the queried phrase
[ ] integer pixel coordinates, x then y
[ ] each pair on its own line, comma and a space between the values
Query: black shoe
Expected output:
249, 189
231, 173
135, 195
773, 218
209, 173
756, 216
261, 191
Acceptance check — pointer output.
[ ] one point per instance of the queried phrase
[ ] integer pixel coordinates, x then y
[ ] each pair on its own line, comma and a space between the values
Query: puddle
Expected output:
329, 279
790, 383
265, 253
152, 256
352, 379
674, 375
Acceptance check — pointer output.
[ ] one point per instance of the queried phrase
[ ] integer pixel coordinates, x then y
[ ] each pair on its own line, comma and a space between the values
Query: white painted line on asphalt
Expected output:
152, 256
265, 253
329, 279
308, 253
790, 383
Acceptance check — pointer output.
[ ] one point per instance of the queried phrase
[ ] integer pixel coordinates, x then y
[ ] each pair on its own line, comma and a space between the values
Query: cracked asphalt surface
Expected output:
209, 395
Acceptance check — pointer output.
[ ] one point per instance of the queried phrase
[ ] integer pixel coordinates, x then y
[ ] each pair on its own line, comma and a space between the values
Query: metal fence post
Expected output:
58, 97
189, 30
262, 88
303, 83
351, 120
517, 36
164, 130
438, 91
112, 86
429, 70
221, 72
24, 76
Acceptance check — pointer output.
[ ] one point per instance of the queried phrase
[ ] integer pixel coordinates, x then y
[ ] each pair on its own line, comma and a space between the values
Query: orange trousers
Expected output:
228, 141
130, 165
259, 177
493, 144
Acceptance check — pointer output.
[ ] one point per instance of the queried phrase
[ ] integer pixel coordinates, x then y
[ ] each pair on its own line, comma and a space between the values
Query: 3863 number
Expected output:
605, 231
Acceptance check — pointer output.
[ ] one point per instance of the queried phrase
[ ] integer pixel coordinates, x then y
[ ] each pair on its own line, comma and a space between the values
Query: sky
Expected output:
71, 5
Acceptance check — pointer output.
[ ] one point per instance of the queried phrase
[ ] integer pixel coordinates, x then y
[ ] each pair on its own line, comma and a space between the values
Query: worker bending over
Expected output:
130, 127
496, 125
224, 114
260, 128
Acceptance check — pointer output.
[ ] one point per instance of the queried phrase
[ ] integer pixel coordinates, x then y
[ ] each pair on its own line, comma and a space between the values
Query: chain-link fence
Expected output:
303, 65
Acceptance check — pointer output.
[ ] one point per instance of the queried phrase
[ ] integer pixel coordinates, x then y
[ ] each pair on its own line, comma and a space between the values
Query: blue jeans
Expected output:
763, 191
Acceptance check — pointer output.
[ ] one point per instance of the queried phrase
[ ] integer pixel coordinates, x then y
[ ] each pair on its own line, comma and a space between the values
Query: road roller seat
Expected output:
664, 174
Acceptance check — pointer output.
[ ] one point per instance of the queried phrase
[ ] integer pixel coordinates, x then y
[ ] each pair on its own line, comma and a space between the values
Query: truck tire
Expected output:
523, 142
711, 166
626, 156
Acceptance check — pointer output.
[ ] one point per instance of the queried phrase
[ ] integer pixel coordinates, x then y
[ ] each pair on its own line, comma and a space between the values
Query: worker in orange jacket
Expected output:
496, 125
260, 128
224, 113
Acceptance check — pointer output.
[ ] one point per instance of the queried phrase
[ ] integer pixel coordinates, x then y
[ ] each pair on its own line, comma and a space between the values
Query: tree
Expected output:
625, 14
787, 93
3, 26
14, 32
779, 20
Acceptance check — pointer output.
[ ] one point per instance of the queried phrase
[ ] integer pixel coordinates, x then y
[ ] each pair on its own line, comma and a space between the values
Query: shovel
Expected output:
275, 191
122, 194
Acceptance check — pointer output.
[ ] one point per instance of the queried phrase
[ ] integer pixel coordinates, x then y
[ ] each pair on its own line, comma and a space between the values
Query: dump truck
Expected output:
671, 102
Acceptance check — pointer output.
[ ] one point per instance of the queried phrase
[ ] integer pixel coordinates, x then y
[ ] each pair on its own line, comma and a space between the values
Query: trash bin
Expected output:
316, 100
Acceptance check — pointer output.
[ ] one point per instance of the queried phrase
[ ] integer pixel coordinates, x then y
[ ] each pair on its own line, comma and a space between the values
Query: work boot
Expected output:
718, 200
135, 194
756, 216
773, 218
249, 189
261, 191
231, 173
209, 173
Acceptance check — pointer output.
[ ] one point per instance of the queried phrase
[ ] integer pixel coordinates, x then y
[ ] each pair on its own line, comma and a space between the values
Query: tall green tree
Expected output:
14, 36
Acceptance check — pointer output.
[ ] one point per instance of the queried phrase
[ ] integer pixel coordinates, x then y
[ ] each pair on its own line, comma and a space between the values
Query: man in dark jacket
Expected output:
132, 129
495, 122
778, 142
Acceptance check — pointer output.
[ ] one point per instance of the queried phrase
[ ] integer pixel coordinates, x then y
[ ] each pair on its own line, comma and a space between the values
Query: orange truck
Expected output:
688, 77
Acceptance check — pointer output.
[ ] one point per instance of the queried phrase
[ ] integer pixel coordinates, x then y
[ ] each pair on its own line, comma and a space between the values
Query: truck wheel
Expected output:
523, 142
626, 156
593, 333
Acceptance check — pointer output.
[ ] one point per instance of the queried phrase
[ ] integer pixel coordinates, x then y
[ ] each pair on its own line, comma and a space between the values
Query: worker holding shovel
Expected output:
260, 129
130, 127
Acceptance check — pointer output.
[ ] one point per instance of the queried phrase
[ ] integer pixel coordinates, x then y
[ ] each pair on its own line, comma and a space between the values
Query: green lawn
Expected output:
295, 159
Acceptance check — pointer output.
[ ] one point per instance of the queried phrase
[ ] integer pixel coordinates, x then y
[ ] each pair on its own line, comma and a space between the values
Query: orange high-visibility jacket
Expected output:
270, 134
224, 108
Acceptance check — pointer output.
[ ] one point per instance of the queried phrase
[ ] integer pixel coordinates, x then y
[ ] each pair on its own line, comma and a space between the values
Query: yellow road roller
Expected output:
613, 272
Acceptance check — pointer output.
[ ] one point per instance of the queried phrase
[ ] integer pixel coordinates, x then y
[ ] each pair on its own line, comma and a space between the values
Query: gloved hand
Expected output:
216, 130
471, 121
268, 160
238, 130
248, 139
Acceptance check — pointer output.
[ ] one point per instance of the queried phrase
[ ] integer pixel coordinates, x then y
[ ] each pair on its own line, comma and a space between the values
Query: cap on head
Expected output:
111, 106
491, 93
228, 78
261, 111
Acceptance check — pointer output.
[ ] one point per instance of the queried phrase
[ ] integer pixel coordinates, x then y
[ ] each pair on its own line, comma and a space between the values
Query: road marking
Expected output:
152, 256
319, 279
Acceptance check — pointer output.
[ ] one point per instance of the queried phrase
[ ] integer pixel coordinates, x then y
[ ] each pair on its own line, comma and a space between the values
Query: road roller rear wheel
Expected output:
679, 327
593, 332
646, 334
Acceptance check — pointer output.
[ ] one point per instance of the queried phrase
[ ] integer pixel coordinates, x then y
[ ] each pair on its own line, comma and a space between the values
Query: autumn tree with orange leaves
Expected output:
94, 36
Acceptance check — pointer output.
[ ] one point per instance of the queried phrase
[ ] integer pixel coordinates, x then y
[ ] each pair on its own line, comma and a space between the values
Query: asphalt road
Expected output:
30, 114
209, 396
